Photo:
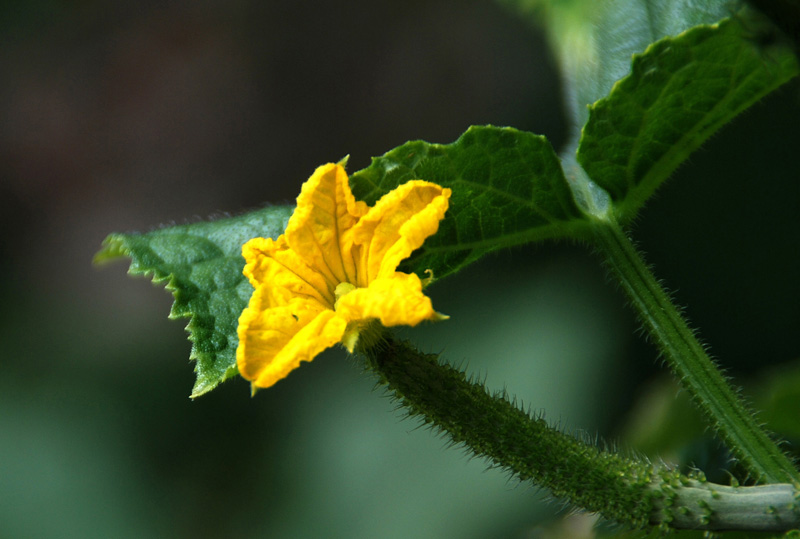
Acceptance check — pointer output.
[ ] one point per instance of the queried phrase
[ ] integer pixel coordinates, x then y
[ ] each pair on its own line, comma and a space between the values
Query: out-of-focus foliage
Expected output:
595, 41
681, 90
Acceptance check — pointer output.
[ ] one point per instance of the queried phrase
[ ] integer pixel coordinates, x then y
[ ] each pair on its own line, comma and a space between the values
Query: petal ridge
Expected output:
320, 229
276, 335
276, 264
397, 225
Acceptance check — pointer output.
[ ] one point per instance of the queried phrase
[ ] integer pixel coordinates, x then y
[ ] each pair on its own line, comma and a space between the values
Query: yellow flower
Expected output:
333, 272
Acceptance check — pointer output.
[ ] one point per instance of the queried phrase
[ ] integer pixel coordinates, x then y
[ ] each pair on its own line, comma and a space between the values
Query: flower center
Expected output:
342, 289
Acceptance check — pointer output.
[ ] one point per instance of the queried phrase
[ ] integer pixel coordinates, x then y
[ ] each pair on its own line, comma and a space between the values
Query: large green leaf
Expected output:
680, 91
202, 264
508, 189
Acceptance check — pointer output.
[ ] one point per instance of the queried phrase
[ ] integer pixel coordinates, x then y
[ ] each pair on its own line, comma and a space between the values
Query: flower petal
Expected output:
396, 300
320, 228
272, 262
277, 332
397, 225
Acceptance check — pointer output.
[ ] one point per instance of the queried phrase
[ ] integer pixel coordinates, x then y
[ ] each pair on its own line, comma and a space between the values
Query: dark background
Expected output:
122, 117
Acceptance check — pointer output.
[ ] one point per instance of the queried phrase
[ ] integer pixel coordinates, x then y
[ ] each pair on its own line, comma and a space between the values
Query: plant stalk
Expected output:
697, 505
686, 356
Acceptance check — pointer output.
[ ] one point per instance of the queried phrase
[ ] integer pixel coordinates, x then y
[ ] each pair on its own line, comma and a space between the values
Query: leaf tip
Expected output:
111, 250
201, 387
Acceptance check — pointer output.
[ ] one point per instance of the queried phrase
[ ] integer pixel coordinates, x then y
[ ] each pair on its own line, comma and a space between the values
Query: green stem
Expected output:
491, 426
687, 357
626, 490
697, 505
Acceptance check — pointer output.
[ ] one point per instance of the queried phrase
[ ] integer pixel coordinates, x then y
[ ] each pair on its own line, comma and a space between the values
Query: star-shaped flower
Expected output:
333, 272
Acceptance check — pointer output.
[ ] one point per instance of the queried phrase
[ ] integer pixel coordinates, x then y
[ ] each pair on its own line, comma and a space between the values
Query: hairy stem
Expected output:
492, 427
687, 357
626, 490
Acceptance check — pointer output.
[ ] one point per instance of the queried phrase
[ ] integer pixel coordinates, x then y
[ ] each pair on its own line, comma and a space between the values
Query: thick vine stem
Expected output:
493, 427
629, 491
699, 375
698, 505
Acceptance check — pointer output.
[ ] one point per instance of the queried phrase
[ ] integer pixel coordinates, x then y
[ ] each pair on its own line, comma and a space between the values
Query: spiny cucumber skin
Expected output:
493, 427
625, 490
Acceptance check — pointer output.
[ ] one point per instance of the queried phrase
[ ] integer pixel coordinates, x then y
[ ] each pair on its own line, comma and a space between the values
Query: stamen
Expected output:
342, 289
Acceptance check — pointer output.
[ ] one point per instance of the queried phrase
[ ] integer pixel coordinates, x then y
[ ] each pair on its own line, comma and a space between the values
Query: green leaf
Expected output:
680, 91
508, 189
594, 41
202, 266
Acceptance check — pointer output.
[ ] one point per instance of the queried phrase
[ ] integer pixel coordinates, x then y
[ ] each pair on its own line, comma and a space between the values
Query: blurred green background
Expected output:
124, 116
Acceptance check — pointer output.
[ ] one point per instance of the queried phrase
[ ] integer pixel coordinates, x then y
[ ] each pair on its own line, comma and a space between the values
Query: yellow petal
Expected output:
397, 225
320, 230
272, 262
396, 300
273, 340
